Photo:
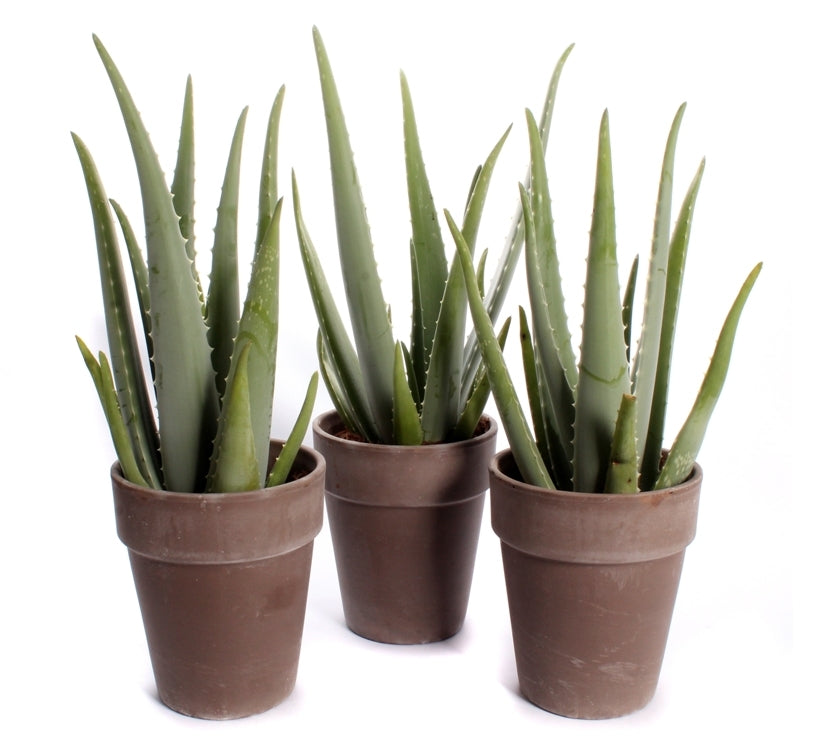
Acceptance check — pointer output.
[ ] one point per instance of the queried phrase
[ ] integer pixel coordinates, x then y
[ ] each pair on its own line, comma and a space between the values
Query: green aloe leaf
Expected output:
133, 397
644, 366
104, 382
284, 463
677, 259
603, 368
623, 470
187, 399
407, 422
507, 262
335, 387
686, 447
476, 403
371, 327
235, 467
268, 183
223, 299
520, 438
428, 252
184, 179
444, 379
627, 304
344, 367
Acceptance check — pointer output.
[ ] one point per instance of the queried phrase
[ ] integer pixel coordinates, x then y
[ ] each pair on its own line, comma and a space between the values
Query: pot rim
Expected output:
322, 425
592, 528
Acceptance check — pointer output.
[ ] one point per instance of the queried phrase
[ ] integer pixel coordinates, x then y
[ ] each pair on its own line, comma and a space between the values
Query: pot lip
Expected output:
569, 496
322, 427
316, 472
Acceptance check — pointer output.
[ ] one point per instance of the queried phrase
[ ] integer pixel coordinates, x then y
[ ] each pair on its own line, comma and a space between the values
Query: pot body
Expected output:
591, 582
405, 522
222, 584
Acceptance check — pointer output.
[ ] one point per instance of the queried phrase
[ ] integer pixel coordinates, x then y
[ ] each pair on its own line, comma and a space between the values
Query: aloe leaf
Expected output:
603, 368
187, 399
677, 259
507, 262
259, 326
234, 467
268, 183
644, 366
407, 422
623, 470
223, 302
520, 438
548, 441
627, 304
428, 251
182, 188
139, 270
481, 390
367, 310
410, 376
103, 381
444, 379
686, 447
286, 458
481, 273
339, 347
335, 387
133, 396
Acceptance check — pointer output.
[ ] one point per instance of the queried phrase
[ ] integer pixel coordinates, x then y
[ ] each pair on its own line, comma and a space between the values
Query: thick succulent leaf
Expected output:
104, 382
627, 304
187, 399
184, 178
677, 259
644, 365
234, 468
268, 183
520, 438
476, 403
286, 458
345, 365
444, 379
258, 329
507, 262
407, 421
429, 265
623, 470
129, 377
603, 368
335, 387
686, 447
223, 299
371, 328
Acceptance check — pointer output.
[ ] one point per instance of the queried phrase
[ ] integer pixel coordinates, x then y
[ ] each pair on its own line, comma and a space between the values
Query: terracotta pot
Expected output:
591, 582
222, 584
405, 521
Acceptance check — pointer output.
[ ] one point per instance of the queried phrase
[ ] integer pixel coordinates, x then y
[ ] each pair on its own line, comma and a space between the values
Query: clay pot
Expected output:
591, 582
405, 521
222, 584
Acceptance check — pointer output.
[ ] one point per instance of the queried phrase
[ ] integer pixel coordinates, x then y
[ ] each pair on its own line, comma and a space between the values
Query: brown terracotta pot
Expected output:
591, 582
222, 584
405, 521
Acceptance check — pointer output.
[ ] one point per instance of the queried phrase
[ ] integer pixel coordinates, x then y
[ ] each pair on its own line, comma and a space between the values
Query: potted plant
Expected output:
593, 515
412, 414
218, 519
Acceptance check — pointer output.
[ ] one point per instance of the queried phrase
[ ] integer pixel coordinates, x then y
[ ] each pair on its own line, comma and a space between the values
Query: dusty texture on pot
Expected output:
405, 521
591, 582
222, 584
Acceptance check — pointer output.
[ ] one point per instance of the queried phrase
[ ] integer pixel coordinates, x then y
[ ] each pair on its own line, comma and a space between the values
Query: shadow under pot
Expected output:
222, 584
405, 522
591, 581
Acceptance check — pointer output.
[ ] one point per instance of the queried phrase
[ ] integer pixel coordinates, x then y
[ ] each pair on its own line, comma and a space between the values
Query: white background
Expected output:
75, 662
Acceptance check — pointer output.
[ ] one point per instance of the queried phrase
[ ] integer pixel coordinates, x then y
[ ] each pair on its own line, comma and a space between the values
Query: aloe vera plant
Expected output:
434, 388
212, 362
597, 421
